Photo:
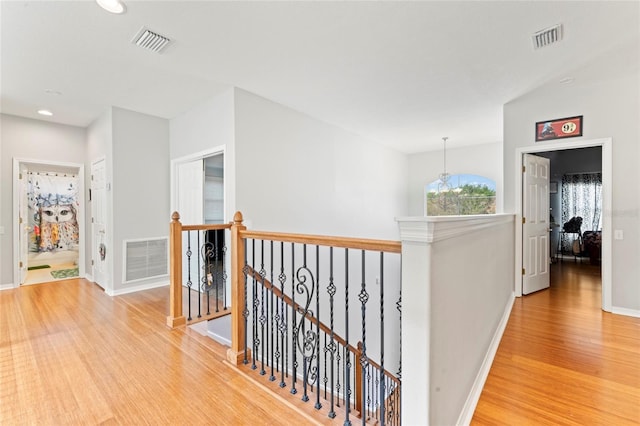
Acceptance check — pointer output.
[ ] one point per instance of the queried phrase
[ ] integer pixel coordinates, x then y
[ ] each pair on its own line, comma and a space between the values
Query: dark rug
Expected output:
33, 268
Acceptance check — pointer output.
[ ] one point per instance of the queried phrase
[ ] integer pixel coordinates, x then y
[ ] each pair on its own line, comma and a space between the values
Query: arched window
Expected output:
464, 195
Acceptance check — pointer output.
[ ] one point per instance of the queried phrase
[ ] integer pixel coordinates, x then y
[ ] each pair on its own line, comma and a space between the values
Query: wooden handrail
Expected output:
210, 227
387, 246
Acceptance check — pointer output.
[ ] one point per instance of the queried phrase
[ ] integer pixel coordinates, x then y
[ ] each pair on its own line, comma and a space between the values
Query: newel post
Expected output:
175, 318
236, 353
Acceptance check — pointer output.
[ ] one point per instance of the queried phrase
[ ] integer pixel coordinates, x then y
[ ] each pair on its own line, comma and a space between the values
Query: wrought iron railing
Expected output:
317, 315
199, 275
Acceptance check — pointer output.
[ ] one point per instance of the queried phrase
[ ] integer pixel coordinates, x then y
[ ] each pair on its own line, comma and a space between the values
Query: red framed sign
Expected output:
560, 128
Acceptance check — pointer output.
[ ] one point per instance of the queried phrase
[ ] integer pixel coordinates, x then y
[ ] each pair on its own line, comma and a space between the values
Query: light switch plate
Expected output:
618, 234
1, 230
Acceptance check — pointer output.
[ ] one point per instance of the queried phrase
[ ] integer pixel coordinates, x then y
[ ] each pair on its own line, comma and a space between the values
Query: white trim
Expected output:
137, 288
9, 286
607, 184
80, 214
474, 395
625, 311
89, 278
431, 229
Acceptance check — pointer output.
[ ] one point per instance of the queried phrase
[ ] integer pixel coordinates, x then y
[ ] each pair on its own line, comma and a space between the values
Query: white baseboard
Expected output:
625, 311
137, 288
9, 286
474, 395
88, 277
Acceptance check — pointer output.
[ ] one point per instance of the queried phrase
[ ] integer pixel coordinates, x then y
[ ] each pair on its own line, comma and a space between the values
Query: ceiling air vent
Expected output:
547, 36
151, 41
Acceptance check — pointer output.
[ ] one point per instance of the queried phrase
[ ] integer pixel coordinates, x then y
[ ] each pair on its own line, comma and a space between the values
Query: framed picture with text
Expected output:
560, 128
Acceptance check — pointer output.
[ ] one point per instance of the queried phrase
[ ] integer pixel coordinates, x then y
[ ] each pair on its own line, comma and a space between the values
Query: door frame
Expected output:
607, 184
80, 215
107, 284
193, 157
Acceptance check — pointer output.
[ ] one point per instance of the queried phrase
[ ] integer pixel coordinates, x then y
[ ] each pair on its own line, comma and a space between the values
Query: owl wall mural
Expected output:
53, 204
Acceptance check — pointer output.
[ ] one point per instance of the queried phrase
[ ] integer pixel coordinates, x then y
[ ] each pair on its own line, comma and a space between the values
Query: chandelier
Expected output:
443, 184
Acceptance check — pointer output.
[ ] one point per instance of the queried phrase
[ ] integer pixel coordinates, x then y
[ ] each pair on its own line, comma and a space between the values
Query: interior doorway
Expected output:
570, 149
48, 221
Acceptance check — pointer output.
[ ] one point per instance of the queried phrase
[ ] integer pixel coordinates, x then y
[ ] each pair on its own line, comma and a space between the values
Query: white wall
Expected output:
140, 187
202, 128
606, 93
297, 174
425, 167
452, 316
30, 139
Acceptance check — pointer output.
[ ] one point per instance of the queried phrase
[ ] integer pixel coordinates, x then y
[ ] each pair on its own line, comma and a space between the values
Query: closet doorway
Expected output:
48, 221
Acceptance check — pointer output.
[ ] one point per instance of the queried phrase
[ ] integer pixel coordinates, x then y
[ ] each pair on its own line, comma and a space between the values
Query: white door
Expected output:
190, 205
535, 228
190, 192
23, 208
99, 250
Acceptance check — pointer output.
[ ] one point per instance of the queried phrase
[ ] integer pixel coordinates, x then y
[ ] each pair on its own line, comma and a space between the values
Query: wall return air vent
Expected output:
150, 40
547, 36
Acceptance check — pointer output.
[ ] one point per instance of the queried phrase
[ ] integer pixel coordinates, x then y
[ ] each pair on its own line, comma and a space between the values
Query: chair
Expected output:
573, 226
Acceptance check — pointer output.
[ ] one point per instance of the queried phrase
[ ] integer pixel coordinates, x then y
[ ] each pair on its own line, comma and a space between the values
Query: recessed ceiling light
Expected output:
113, 6
52, 92
45, 112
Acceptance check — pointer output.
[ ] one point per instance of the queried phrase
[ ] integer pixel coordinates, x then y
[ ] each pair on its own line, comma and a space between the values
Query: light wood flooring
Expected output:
563, 361
69, 354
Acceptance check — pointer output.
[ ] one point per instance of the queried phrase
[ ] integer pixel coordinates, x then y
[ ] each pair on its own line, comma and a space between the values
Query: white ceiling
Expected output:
401, 73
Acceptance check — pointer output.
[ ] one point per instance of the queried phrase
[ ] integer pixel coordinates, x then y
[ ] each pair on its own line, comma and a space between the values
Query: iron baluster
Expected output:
263, 318
363, 296
254, 307
338, 358
294, 359
245, 311
399, 308
382, 384
325, 379
272, 377
332, 345
317, 314
347, 366
199, 281
224, 273
283, 323
302, 346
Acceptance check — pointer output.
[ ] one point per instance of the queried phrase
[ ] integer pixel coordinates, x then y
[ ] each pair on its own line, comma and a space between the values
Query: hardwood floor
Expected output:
69, 354
563, 361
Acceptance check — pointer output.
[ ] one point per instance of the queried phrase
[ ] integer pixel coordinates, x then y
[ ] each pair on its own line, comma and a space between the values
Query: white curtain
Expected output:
582, 196
53, 203
50, 189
